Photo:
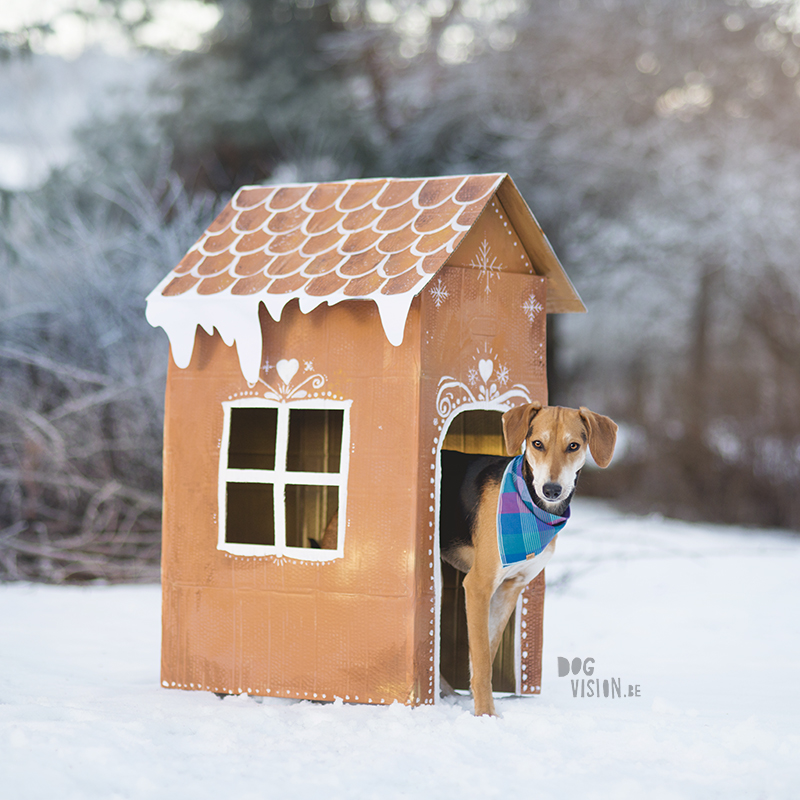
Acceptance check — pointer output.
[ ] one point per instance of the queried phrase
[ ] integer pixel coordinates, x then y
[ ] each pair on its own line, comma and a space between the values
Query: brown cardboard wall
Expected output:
269, 625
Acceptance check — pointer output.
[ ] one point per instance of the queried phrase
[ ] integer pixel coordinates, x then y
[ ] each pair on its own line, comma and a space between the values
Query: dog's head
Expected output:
556, 441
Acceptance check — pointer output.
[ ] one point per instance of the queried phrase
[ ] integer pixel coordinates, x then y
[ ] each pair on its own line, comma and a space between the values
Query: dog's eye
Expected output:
573, 446
537, 445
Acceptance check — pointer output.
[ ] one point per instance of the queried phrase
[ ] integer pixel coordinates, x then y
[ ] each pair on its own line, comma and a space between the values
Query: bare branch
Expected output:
39, 360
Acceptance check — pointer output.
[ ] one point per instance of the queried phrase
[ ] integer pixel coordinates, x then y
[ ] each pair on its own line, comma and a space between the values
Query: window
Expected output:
283, 478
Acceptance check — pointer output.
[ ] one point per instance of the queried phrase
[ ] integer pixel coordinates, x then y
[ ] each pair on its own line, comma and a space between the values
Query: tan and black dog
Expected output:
556, 441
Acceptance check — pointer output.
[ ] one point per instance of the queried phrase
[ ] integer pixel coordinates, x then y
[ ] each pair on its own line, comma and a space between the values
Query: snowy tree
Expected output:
656, 142
82, 375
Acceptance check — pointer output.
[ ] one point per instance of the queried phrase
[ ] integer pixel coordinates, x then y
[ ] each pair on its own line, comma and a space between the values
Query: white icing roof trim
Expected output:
236, 318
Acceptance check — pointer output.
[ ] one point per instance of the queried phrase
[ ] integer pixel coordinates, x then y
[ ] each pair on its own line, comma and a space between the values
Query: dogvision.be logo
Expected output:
590, 686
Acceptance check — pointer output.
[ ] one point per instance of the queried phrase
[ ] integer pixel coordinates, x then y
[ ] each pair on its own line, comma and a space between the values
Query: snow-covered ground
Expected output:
704, 620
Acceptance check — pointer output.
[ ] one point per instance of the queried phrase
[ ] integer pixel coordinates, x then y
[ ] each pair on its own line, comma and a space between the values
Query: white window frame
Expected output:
280, 477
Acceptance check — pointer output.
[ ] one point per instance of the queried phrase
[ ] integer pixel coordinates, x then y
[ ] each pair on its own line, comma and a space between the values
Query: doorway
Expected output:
477, 431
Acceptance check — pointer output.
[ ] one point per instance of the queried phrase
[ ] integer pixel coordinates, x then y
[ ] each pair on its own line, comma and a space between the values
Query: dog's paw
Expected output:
487, 710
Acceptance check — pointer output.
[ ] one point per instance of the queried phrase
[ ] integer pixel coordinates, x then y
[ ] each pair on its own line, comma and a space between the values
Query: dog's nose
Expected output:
551, 491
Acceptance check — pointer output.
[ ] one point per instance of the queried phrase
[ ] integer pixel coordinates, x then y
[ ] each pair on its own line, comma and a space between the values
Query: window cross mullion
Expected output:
281, 448
250, 475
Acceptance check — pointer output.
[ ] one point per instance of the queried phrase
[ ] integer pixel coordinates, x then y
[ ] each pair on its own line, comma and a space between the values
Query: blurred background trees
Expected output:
657, 142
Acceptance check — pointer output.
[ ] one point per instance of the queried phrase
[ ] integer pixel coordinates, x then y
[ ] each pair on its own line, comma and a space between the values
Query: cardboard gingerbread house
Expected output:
327, 341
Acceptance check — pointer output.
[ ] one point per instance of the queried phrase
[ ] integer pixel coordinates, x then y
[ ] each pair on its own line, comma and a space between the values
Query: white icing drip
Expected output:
393, 309
235, 317
308, 302
275, 303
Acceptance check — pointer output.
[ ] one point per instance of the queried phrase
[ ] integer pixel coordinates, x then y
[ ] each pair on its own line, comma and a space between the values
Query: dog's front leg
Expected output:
478, 597
503, 603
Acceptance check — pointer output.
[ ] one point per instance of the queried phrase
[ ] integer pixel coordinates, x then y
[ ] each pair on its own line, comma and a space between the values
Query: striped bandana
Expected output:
523, 528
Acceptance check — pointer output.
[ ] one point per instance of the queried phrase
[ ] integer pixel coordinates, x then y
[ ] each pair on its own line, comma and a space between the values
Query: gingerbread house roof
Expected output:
380, 240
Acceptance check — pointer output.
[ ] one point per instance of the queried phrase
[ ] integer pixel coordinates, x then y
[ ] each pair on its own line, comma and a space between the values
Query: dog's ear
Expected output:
602, 436
516, 422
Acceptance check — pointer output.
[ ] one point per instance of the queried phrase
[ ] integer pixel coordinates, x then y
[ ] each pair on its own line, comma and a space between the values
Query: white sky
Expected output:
178, 25
42, 102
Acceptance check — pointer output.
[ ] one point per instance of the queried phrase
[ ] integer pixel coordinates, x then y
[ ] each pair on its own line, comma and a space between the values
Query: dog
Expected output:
556, 441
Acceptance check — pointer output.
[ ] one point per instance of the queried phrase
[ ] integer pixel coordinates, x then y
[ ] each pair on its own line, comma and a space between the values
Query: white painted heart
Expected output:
287, 369
485, 367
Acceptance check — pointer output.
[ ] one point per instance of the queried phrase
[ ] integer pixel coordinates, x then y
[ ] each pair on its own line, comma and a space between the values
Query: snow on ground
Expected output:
703, 619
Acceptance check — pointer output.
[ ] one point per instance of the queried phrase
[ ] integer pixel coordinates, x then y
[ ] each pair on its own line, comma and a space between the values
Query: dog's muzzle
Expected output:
552, 491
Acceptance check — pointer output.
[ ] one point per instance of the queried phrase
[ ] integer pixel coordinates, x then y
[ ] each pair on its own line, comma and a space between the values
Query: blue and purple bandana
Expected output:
523, 529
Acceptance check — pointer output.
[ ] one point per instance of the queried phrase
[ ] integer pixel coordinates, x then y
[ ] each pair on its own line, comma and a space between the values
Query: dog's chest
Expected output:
525, 571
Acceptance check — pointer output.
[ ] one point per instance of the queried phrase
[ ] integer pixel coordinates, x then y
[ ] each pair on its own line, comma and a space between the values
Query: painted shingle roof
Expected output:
379, 240
356, 239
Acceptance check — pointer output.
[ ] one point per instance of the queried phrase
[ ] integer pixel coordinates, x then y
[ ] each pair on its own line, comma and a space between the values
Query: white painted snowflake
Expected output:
488, 269
308, 366
472, 376
502, 375
267, 366
532, 307
439, 293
